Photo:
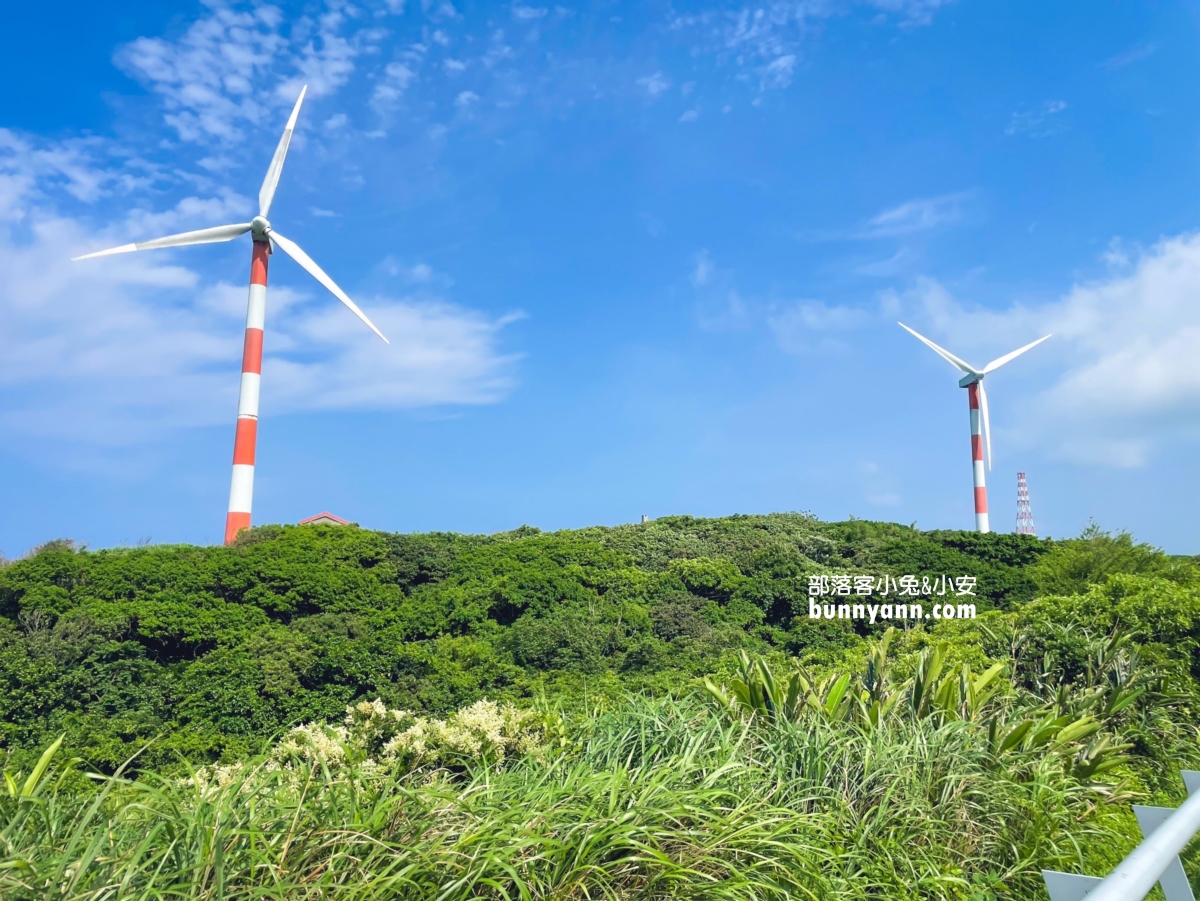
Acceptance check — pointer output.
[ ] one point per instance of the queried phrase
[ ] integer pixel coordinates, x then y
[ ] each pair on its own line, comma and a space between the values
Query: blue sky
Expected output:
633, 258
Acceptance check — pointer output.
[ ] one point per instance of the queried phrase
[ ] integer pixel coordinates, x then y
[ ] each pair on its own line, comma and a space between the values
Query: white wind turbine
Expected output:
265, 237
981, 432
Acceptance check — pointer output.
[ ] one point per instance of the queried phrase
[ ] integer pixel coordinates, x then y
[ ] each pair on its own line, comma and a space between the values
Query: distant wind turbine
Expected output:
241, 489
980, 431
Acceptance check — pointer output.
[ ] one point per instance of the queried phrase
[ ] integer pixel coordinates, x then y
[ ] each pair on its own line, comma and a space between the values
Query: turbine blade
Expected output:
306, 263
987, 423
202, 236
997, 363
267, 192
945, 354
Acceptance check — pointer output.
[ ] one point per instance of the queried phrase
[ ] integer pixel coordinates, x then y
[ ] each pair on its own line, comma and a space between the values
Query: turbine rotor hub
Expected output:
259, 227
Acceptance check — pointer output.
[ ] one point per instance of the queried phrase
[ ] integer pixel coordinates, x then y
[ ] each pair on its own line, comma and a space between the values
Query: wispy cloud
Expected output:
799, 326
911, 12
719, 307
888, 267
1039, 122
654, 84
1130, 55
768, 38
211, 79
778, 72
397, 77
529, 12
916, 215
805, 325
920, 214
208, 77
29, 168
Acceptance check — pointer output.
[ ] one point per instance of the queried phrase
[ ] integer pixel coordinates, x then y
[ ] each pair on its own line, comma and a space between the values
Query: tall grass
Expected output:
659, 799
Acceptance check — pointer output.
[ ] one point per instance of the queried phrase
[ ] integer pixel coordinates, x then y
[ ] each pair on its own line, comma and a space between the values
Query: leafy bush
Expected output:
212, 652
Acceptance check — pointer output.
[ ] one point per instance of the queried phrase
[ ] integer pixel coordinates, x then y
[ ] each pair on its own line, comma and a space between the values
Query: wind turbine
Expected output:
265, 238
977, 399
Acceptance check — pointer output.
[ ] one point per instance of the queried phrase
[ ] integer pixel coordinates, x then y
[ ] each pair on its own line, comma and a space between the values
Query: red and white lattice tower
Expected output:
1024, 511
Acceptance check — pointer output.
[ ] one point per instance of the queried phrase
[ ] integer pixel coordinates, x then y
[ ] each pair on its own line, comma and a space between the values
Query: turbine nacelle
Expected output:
259, 228
968, 380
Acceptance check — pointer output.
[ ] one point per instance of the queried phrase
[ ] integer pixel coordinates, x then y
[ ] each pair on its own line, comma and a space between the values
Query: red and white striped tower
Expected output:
264, 236
981, 427
241, 486
981, 510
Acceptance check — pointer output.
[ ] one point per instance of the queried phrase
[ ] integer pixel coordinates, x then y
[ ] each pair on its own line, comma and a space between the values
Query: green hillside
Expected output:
643, 711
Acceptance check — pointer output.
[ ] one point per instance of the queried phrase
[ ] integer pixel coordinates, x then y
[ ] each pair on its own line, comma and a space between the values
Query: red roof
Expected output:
325, 517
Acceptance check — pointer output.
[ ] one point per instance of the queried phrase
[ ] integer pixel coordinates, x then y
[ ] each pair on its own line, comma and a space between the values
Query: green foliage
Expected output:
210, 652
323, 712
651, 799
1074, 565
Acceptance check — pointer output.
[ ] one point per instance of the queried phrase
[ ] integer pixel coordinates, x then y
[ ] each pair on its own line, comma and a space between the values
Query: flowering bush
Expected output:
485, 731
374, 739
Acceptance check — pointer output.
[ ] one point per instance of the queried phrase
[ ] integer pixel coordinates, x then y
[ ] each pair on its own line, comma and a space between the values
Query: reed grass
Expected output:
658, 799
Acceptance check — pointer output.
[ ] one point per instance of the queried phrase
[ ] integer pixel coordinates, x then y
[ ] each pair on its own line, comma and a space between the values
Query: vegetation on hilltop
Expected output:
645, 711
212, 650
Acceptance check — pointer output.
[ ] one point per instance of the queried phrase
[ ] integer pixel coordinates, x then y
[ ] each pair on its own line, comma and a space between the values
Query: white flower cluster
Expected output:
374, 739
313, 743
484, 731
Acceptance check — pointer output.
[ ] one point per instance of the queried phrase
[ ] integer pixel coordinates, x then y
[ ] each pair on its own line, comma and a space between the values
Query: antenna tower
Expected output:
1024, 511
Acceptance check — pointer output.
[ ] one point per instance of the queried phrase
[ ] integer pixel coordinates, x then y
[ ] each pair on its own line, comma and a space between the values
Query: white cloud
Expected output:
886, 268
498, 51
1130, 55
1037, 123
1126, 349
29, 168
529, 12
387, 93
440, 354
915, 215
416, 274
767, 37
188, 214
911, 12
112, 351
719, 307
805, 325
654, 84
326, 58
778, 72
690, 115
233, 67
465, 99
207, 77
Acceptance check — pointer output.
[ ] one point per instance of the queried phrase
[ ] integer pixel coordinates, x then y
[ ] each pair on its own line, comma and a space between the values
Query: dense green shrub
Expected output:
211, 651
